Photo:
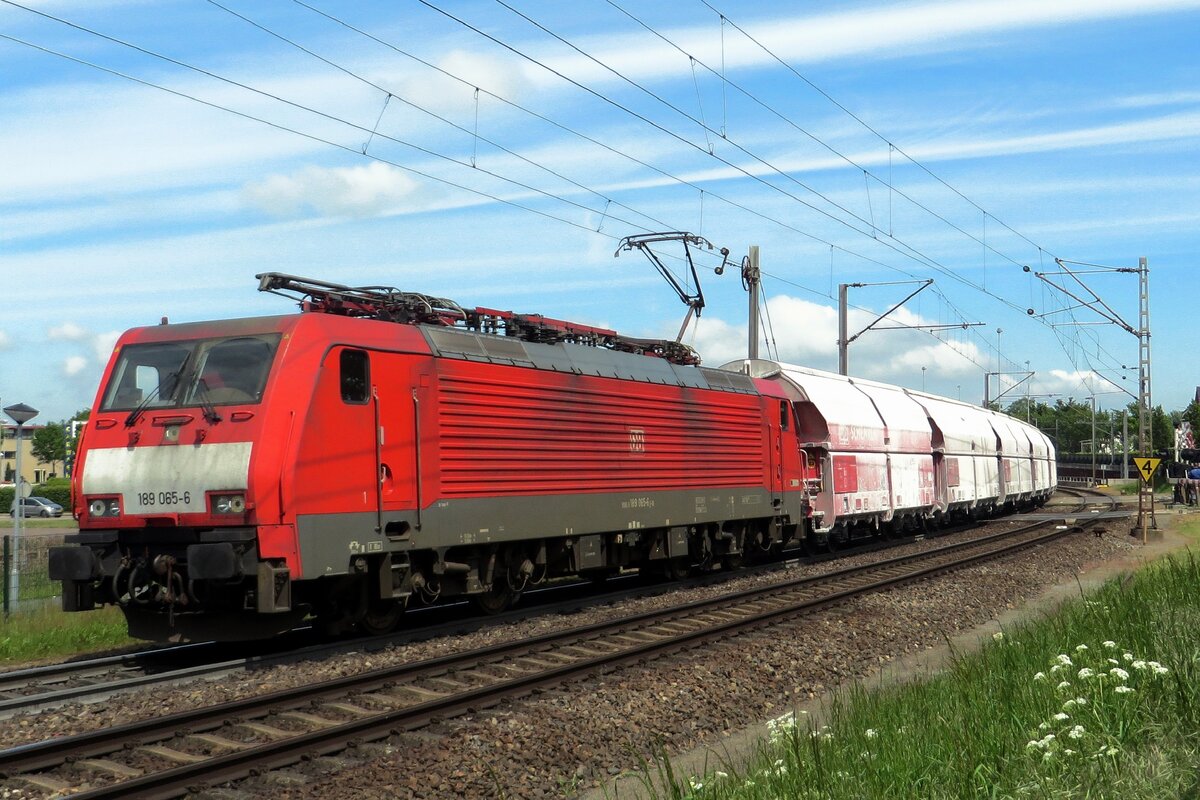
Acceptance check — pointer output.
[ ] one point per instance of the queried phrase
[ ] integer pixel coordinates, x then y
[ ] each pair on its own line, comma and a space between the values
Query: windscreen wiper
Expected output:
136, 413
206, 406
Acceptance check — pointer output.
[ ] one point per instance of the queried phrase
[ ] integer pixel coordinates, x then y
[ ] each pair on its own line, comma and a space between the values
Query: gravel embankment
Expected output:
570, 739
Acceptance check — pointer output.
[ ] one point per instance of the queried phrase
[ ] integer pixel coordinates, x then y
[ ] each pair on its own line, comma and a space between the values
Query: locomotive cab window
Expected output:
355, 376
146, 373
203, 371
231, 371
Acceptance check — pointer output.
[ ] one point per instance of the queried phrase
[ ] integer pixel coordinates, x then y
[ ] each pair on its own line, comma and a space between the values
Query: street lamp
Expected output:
20, 414
923, 379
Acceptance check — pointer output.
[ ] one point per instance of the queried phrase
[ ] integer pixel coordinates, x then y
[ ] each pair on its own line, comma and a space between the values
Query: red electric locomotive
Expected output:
236, 477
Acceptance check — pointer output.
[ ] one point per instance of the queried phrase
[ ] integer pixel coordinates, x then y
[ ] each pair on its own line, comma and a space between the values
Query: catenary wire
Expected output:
317, 112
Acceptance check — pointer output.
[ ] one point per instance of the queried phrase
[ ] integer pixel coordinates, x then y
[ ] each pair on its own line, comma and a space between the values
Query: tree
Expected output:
1192, 414
50, 444
79, 416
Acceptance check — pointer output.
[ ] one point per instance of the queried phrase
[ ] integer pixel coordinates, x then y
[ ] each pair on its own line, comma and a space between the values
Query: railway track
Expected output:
173, 755
45, 687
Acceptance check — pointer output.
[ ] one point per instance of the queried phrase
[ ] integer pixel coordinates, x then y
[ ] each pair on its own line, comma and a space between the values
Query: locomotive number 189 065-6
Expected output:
172, 498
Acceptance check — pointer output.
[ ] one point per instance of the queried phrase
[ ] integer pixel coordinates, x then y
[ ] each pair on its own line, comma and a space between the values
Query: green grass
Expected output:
47, 632
33, 523
1043, 712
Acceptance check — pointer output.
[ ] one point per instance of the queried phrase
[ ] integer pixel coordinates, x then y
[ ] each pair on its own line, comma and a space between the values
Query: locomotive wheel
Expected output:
496, 599
382, 617
676, 569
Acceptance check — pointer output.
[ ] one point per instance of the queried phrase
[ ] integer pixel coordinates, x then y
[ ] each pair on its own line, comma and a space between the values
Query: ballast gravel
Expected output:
568, 740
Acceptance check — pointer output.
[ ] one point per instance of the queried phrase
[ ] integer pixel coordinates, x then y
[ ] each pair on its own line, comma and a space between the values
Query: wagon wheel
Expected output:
382, 616
499, 597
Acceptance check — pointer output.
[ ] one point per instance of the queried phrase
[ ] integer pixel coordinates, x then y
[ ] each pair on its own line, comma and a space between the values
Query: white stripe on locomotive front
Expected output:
169, 472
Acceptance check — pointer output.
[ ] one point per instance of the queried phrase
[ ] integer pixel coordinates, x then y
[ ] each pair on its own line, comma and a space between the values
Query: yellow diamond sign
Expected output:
1146, 467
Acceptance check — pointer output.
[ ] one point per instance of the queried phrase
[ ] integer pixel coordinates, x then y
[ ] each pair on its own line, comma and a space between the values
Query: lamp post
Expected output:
922, 379
20, 414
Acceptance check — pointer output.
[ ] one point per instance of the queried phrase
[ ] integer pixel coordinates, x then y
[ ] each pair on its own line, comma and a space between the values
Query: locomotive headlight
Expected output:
228, 504
105, 507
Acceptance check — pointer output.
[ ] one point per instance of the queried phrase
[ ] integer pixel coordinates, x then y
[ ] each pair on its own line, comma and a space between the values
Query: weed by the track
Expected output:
1099, 700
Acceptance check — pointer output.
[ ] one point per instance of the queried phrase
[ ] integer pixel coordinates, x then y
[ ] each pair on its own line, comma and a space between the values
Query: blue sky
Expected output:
982, 136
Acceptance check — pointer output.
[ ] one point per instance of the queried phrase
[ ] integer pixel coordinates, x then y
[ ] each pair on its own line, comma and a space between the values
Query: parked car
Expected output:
37, 507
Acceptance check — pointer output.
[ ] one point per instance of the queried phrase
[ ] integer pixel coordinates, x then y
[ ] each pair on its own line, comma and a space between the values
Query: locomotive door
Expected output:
395, 400
782, 431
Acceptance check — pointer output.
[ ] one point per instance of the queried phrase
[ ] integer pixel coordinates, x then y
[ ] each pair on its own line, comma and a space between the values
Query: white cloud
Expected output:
806, 335
73, 365
507, 77
1078, 384
341, 191
103, 344
5, 340
67, 332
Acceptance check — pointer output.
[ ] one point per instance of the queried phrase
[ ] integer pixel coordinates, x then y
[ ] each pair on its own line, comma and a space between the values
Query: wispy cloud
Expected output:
67, 332
342, 191
871, 31
73, 365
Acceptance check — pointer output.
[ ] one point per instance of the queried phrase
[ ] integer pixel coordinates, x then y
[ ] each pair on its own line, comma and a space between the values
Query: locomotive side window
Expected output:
785, 414
356, 374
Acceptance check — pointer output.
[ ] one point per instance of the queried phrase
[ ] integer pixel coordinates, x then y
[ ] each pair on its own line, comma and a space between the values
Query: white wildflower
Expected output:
872, 733
1033, 744
1119, 673
1158, 668
1127, 656
998, 636
720, 774
1081, 648
1123, 690
1110, 644
1086, 672
1068, 752
1076, 732
1055, 668
1140, 665
1043, 726
1041, 676
1046, 756
1113, 661
1064, 659
1111, 751
1061, 717
1063, 686
1067, 706
1081, 701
